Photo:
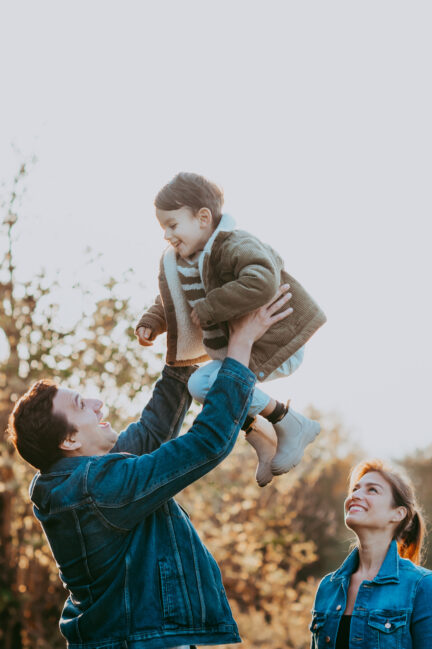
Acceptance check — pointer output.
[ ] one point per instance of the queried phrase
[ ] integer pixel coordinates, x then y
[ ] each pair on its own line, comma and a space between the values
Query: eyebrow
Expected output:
369, 484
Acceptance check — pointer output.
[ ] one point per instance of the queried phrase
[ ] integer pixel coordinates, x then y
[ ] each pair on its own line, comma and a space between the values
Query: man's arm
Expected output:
163, 415
126, 489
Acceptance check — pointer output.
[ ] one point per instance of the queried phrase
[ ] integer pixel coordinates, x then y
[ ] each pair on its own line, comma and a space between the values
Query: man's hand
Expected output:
195, 319
245, 330
144, 334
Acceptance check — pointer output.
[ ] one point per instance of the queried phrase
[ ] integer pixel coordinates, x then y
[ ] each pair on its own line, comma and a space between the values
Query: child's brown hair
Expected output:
193, 191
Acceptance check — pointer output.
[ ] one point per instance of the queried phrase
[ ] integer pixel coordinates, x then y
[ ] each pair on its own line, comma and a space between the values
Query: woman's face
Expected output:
370, 506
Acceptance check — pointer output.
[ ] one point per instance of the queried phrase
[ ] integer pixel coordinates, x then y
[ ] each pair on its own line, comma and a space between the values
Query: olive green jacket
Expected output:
240, 274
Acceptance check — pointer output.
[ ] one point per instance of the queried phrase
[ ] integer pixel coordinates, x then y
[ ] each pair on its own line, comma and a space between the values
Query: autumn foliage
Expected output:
272, 544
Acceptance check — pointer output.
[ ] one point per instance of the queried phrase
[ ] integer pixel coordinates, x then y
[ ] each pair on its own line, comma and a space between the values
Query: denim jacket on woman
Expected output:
137, 573
393, 611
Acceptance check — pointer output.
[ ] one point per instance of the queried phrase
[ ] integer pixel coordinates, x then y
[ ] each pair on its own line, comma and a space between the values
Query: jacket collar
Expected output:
389, 571
66, 464
226, 224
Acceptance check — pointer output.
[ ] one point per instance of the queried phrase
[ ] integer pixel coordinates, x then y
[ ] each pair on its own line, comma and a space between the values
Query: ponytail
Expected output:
410, 538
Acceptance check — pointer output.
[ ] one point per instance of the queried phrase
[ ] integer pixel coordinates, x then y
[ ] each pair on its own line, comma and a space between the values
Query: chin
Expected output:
351, 521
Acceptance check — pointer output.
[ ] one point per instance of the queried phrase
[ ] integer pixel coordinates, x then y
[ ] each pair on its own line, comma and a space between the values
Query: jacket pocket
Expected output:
317, 629
172, 601
386, 628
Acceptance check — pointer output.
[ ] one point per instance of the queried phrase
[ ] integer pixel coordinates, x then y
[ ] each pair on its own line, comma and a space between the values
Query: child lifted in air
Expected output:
210, 274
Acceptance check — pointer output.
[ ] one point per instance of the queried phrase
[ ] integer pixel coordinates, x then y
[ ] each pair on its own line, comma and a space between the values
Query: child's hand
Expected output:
144, 334
195, 319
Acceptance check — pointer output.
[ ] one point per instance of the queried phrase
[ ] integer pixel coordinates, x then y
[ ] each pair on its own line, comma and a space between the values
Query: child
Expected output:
210, 274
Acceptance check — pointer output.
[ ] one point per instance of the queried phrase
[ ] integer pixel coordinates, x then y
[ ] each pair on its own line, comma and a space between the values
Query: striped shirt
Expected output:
214, 339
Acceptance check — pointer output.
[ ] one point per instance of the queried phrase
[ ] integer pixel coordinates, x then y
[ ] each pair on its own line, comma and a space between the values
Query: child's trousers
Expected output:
202, 379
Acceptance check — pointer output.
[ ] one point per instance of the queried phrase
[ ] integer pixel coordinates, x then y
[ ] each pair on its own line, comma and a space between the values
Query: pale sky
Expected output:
315, 117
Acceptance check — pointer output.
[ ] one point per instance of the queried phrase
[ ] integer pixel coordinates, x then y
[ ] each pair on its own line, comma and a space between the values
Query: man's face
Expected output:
93, 436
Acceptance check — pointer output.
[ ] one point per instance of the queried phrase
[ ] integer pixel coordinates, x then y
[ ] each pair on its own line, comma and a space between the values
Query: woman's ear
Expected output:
399, 514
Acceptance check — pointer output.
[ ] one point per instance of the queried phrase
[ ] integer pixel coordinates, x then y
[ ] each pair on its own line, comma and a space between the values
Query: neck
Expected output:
373, 547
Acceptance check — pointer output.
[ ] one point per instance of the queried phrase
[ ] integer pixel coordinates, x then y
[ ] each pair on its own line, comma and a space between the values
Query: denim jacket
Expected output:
137, 573
393, 611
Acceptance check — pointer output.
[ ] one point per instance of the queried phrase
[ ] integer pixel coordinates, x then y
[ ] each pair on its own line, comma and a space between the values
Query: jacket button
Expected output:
328, 639
260, 374
338, 607
387, 625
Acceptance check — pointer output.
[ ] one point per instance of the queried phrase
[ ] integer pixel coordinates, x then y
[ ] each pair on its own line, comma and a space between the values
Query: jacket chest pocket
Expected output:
317, 629
386, 630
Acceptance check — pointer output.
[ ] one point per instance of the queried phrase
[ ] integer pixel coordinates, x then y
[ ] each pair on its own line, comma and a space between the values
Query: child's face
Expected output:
185, 231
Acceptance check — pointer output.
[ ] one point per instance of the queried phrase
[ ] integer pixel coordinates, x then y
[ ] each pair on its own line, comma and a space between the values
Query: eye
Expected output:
373, 489
82, 404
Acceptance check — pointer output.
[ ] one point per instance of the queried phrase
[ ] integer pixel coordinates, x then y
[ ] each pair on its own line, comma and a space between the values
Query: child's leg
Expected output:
294, 431
259, 433
203, 378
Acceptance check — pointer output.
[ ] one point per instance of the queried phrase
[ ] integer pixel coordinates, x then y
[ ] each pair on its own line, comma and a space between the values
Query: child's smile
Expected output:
185, 231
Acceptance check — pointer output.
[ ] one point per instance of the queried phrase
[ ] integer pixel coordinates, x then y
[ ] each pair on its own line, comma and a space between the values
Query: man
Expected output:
137, 573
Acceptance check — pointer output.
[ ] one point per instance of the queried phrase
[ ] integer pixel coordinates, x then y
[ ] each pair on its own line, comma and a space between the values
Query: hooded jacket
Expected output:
240, 274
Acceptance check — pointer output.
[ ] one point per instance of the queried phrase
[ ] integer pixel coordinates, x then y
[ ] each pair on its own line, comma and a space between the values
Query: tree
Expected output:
99, 352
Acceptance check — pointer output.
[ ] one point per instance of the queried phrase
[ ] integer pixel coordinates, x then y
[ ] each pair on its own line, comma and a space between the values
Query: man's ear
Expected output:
205, 216
70, 443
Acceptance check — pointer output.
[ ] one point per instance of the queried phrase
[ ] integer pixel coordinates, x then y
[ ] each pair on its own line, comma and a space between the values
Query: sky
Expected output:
314, 117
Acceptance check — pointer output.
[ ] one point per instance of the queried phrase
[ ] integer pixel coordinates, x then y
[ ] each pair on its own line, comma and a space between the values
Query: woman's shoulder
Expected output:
409, 569
327, 582
417, 578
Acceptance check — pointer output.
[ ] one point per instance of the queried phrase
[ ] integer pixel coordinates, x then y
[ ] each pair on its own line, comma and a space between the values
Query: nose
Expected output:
354, 497
96, 404
167, 234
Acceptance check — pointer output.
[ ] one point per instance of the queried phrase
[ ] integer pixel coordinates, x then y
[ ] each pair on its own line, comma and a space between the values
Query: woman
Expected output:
379, 598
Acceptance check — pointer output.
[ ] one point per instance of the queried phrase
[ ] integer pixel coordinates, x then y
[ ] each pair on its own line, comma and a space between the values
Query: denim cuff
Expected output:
232, 367
181, 373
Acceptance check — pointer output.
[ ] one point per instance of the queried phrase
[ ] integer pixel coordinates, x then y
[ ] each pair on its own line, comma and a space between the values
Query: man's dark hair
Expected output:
191, 190
35, 431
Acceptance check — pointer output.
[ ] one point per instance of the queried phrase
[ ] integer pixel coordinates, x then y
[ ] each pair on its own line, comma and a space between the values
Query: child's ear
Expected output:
205, 216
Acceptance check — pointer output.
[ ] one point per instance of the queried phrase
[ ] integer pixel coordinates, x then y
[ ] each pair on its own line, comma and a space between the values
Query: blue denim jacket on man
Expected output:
393, 611
137, 573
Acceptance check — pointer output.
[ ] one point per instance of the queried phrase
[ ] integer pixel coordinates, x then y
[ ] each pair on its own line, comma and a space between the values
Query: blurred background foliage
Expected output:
272, 544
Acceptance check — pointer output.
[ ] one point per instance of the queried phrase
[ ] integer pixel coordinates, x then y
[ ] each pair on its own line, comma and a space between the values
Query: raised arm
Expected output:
163, 415
126, 489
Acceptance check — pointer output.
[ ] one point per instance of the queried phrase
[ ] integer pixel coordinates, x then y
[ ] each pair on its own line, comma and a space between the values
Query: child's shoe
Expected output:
294, 432
262, 437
